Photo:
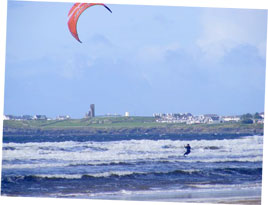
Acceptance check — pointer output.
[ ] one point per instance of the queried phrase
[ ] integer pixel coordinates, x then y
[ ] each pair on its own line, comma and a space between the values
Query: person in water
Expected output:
188, 150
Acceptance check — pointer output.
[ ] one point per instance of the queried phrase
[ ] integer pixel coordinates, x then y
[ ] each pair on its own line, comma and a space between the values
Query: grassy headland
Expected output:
122, 126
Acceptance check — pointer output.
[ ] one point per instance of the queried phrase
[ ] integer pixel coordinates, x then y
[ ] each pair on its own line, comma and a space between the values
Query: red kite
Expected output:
75, 12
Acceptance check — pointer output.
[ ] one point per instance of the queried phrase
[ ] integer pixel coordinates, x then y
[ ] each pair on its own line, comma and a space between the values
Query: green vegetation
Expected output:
249, 118
123, 126
116, 123
96, 122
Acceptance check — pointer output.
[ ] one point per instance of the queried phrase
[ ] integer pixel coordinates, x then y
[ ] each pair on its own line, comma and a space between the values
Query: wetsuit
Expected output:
188, 150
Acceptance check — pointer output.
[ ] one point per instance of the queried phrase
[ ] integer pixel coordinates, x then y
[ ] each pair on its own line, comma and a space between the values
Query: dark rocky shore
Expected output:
156, 131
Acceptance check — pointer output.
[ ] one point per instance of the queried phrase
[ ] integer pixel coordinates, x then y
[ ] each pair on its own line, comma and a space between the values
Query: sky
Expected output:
139, 59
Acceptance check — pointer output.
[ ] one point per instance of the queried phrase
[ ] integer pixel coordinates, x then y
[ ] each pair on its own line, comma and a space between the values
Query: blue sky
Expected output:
140, 59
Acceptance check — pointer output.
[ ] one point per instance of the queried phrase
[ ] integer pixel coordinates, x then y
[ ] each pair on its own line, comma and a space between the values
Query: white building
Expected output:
63, 117
212, 119
6, 117
231, 119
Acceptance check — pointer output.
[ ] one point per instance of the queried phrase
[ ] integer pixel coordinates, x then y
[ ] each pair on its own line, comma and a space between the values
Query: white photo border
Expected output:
244, 4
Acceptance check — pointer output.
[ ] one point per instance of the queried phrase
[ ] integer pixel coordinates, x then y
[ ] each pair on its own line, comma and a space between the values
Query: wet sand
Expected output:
239, 197
255, 201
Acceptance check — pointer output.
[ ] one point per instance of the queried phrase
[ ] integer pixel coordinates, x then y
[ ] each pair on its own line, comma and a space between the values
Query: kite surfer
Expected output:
188, 149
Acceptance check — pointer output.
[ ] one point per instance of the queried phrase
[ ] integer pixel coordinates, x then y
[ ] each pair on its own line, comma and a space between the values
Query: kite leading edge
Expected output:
74, 14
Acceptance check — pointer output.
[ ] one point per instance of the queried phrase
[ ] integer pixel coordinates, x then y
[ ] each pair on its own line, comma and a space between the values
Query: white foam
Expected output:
70, 152
63, 176
79, 176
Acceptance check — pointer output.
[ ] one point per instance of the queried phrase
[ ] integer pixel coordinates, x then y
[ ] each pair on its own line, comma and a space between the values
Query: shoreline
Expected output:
231, 196
117, 127
161, 132
241, 196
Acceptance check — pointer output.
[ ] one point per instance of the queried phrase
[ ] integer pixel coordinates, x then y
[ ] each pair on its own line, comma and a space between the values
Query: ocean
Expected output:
151, 168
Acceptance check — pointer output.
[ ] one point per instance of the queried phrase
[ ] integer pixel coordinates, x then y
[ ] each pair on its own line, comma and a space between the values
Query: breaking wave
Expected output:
129, 174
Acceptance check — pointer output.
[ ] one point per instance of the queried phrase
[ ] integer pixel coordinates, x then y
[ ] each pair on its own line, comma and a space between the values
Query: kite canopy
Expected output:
75, 12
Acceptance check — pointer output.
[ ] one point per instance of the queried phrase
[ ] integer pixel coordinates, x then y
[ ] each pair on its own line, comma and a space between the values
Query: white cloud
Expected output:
75, 67
262, 49
155, 53
224, 29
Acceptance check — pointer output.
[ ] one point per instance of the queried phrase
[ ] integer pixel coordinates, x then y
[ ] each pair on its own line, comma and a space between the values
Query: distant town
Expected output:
183, 118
